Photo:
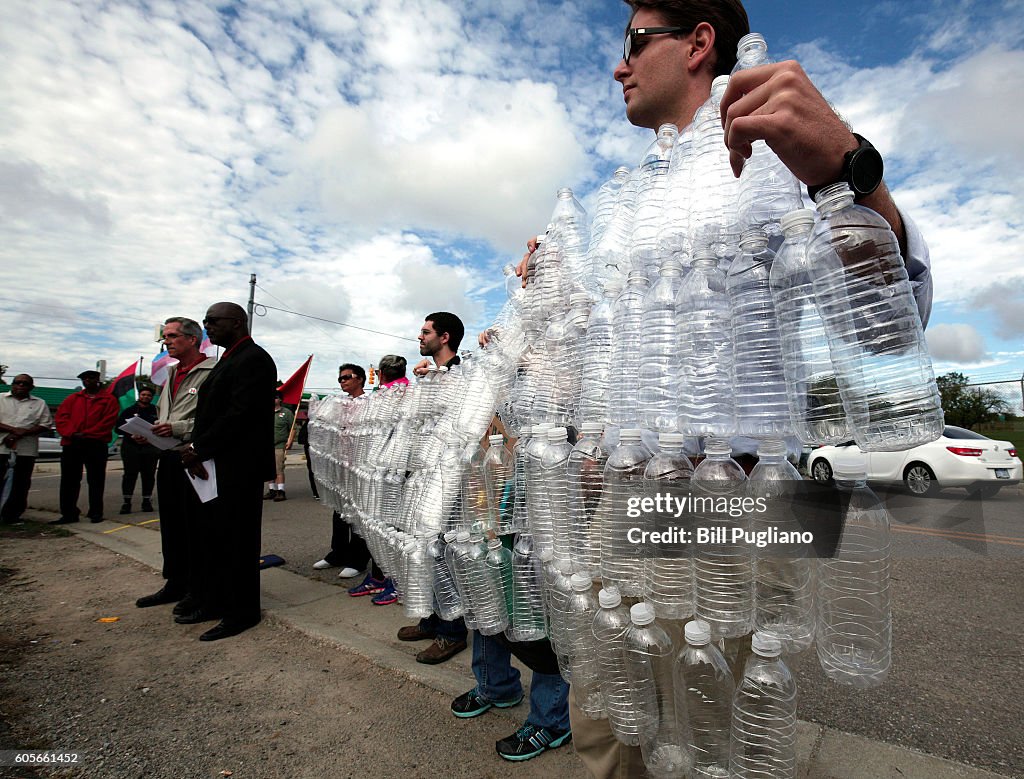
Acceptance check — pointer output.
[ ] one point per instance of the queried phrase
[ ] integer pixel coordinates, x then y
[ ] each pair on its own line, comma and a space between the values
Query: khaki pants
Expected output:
279, 462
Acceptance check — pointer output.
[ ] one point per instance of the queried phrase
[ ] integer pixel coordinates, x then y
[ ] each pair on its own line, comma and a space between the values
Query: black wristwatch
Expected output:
862, 170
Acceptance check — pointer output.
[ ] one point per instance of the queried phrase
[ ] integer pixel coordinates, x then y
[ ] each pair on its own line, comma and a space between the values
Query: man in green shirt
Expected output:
283, 420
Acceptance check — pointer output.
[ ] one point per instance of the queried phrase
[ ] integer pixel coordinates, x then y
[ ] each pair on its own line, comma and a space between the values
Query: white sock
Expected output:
281, 486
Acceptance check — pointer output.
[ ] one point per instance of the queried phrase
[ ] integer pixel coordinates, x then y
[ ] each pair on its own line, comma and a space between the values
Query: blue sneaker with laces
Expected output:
369, 586
529, 741
387, 596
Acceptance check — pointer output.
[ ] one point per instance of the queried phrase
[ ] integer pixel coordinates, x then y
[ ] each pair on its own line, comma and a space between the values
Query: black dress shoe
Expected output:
226, 630
159, 598
194, 617
64, 521
186, 605
95, 520
126, 507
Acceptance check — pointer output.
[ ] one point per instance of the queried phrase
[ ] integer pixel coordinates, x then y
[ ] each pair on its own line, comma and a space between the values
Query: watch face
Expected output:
865, 170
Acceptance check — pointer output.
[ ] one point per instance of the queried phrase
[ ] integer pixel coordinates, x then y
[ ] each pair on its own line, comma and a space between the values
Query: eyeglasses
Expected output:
347, 377
168, 336
631, 43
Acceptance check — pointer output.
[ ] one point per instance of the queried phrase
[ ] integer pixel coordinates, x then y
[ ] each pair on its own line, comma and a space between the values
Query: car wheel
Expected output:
985, 492
920, 479
821, 470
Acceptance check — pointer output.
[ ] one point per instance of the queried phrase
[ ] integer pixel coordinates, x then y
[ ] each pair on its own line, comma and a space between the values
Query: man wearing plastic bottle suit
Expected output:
673, 50
179, 506
439, 340
234, 430
22, 419
85, 421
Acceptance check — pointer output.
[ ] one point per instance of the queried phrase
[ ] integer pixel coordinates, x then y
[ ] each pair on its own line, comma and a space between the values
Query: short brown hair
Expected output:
728, 17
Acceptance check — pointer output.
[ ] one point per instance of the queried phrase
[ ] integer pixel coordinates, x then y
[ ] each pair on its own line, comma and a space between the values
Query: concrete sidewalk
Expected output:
317, 609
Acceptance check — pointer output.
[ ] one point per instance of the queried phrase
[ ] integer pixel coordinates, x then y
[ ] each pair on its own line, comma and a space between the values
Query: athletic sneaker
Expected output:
370, 586
473, 704
387, 596
529, 741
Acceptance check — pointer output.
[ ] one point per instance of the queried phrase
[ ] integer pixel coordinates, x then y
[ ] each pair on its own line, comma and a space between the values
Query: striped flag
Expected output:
123, 386
158, 371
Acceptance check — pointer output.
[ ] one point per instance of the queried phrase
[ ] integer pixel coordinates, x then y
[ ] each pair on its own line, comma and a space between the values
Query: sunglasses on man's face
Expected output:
636, 39
347, 377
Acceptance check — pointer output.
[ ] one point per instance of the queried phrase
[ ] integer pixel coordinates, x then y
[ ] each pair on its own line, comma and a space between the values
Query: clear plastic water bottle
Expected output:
659, 352
704, 327
763, 741
557, 591
572, 231
674, 237
447, 600
584, 484
622, 562
520, 519
527, 621
704, 689
649, 661
610, 258
553, 465
597, 362
874, 327
762, 408
455, 555
610, 624
650, 196
538, 506
628, 324
768, 190
853, 629
417, 585
586, 670
724, 570
476, 510
815, 407
499, 480
484, 588
670, 583
499, 563
607, 197
713, 218
783, 576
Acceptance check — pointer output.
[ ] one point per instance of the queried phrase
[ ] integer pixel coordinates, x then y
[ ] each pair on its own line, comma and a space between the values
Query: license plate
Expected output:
1002, 473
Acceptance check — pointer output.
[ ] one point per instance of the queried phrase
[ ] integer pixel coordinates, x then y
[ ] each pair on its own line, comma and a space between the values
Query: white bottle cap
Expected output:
609, 598
558, 434
462, 536
580, 583
720, 80
697, 632
451, 535
671, 440
591, 428
630, 436
642, 614
765, 644
801, 216
496, 440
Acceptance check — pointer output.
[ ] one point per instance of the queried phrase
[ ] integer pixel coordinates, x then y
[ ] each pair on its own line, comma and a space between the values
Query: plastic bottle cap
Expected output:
849, 466
496, 440
558, 434
766, 644
591, 428
642, 614
410, 547
494, 543
717, 446
450, 536
671, 439
801, 216
771, 446
697, 632
631, 436
462, 536
609, 598
580, 583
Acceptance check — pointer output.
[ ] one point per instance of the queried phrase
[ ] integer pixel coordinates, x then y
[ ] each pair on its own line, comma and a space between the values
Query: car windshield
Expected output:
959, 432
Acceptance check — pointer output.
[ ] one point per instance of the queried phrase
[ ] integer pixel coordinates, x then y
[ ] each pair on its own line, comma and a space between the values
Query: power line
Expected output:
340, 324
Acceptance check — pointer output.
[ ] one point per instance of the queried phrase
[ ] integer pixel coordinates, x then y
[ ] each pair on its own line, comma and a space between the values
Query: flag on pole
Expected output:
123, 385
292, 389
161, 363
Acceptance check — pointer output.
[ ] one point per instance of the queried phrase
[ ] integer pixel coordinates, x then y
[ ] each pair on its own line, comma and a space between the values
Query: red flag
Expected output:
123, 385
292, 389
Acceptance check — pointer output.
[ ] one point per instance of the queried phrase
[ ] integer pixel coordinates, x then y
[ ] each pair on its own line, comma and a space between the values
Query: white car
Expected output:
49, 445
958, 458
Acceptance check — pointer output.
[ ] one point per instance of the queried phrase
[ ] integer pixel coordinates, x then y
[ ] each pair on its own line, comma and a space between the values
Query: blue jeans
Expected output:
498, 680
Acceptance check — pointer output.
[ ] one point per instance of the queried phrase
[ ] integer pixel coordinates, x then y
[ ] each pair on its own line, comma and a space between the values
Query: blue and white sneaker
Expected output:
387, 596
529, 741
473, 704
370, 586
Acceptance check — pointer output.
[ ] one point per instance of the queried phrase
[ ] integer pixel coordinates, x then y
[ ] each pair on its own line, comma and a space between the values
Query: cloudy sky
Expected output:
374, 161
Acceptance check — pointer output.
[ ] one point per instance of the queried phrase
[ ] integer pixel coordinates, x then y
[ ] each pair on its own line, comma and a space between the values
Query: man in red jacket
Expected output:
85, 421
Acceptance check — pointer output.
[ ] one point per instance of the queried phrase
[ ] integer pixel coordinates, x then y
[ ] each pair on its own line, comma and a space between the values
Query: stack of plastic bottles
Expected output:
696, 315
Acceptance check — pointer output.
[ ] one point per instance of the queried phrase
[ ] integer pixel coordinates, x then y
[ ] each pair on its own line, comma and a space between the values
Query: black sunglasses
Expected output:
346, 377
212, 320
630, 43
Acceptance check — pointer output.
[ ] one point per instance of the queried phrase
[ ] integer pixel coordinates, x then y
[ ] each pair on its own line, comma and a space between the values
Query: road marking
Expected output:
959, 535
130, 524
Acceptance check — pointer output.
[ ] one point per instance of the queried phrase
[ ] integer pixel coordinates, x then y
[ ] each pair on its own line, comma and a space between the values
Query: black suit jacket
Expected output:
233, 423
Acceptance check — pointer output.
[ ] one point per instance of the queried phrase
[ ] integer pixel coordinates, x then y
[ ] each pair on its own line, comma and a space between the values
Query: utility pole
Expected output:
252, 298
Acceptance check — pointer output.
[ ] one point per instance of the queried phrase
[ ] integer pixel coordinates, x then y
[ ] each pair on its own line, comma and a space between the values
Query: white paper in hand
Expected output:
206, 488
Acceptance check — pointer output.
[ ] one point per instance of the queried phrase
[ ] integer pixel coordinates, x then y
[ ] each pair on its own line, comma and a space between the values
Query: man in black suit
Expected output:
233, 427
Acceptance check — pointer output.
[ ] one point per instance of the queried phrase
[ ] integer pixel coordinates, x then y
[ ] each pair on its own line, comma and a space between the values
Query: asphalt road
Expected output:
958, 564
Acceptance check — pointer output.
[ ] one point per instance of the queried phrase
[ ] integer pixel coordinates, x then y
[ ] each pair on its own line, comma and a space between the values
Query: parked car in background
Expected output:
49, 445
958, 458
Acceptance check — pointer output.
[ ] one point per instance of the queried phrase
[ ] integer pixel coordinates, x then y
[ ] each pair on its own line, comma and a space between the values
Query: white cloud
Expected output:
961, 344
